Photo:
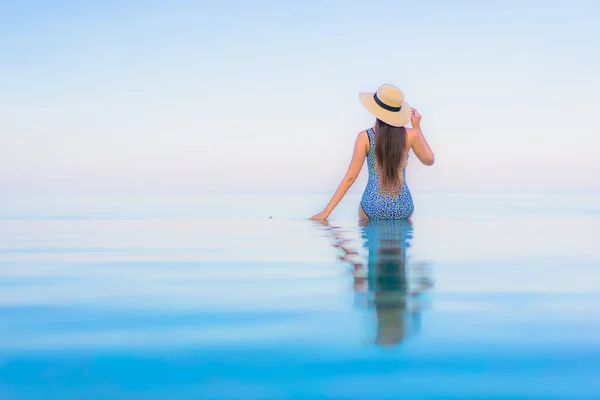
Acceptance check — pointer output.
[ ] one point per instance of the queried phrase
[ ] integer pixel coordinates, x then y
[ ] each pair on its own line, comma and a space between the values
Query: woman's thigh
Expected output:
361, 213
363, 216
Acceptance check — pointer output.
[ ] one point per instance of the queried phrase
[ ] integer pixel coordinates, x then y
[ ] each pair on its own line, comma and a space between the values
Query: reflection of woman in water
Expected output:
391, 286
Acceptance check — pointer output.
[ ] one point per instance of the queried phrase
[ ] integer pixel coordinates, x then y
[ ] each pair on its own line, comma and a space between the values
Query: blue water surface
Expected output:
237, 296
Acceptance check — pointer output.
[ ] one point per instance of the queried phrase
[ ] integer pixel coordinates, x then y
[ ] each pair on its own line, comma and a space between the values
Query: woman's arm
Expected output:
419, 145
358, 159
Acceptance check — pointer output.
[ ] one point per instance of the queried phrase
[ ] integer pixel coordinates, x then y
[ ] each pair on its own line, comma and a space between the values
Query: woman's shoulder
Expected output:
364, 134
367, 132
410, 134
363, 139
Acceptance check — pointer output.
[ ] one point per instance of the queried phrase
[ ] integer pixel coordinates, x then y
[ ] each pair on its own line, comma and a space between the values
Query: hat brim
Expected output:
394, 118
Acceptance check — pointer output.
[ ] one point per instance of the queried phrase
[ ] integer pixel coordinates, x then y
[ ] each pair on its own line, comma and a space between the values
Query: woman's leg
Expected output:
361, 213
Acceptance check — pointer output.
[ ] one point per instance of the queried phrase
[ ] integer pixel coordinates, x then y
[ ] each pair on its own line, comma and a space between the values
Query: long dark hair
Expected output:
390, 145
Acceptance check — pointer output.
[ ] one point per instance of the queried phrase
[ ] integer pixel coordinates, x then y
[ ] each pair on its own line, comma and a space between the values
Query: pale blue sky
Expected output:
262, 95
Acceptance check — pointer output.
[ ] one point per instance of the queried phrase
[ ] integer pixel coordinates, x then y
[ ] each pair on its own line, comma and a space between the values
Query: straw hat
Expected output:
387, 104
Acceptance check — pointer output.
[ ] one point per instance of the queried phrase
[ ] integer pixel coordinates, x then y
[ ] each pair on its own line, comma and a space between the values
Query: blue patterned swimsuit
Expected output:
381, 206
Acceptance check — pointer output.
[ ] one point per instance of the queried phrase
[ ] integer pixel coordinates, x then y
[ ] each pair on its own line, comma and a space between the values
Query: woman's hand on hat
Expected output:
415, 118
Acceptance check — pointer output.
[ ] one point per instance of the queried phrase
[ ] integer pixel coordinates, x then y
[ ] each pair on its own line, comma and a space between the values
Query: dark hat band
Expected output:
385, 106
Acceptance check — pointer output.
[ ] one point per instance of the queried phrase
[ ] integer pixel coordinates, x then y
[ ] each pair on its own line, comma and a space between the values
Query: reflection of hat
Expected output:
387, 104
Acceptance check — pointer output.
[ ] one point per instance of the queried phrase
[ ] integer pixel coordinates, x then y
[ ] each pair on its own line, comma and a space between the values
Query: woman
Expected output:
386, 147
